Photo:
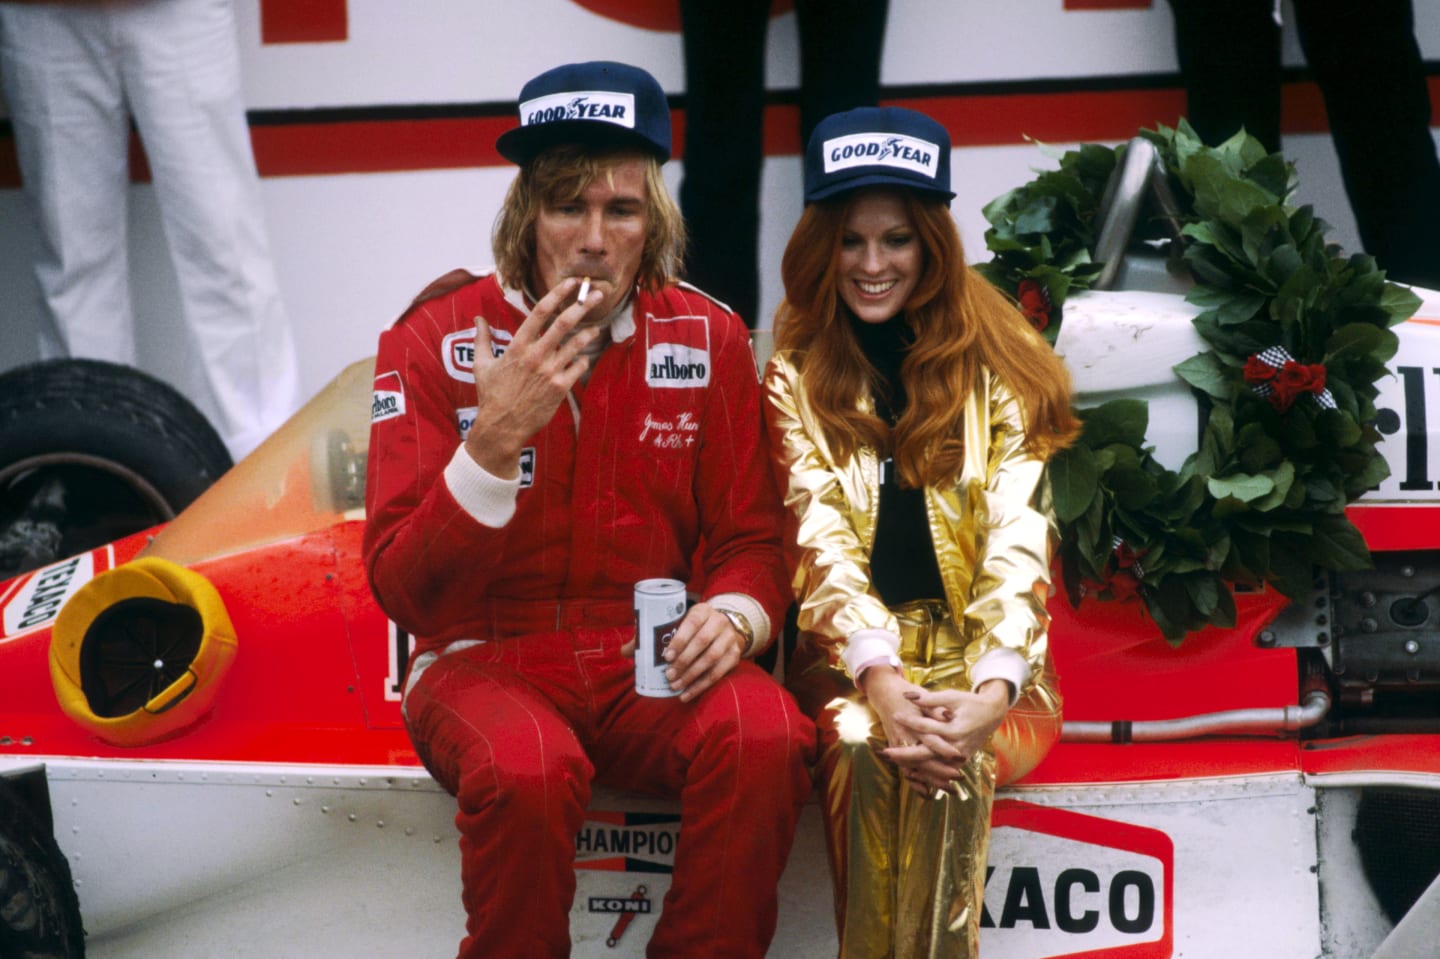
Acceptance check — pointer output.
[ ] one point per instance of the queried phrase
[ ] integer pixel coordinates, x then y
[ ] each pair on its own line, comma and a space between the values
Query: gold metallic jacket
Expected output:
990, 528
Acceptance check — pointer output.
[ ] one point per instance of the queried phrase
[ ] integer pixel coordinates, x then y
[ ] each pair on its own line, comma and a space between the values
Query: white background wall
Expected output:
352, 249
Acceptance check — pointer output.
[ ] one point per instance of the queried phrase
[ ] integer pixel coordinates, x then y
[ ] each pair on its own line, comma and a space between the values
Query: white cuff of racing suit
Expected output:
485, 496
754, 614
1001, 663
866, 645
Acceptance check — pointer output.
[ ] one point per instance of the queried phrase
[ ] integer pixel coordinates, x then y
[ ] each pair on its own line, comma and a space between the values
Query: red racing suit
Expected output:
658, 466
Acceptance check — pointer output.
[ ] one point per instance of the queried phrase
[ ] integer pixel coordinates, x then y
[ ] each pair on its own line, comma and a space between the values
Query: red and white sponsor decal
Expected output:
1066, 885
388, 400
35, 599
457, 351
615, 841
677, 352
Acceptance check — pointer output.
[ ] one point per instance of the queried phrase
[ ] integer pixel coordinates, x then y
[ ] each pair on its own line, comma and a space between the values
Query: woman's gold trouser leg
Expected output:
909, 871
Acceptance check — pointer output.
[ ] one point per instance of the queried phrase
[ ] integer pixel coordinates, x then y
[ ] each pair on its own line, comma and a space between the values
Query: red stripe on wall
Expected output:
1107, 4
304, 21
1051, 117
377, 146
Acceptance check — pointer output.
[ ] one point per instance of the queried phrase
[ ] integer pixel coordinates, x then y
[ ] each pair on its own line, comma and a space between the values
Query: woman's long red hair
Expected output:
961, 325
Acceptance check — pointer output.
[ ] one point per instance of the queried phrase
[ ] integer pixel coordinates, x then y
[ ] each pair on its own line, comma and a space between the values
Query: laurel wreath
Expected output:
1298, 336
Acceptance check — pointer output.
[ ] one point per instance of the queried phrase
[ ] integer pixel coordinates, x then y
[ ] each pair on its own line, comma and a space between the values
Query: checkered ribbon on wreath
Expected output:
1135, 566
1278, 356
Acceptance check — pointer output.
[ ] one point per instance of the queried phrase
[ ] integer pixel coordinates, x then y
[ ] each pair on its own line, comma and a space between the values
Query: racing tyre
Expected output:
91, 452
39, 912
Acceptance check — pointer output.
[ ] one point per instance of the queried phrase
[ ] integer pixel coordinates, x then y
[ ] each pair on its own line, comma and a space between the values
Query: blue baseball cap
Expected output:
877, 146
599, 102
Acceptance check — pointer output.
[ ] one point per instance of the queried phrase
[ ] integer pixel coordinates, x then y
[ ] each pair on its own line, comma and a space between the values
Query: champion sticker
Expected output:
388, 399
627, 842
882, 149
606, 106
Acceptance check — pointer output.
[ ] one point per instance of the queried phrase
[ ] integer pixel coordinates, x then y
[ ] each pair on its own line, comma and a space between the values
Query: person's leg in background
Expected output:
1229, 53
724, 149
1367, 63
182, 71
841, 42
72, 134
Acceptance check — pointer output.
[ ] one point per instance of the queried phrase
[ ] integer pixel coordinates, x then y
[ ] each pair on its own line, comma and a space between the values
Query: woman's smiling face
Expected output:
880, 256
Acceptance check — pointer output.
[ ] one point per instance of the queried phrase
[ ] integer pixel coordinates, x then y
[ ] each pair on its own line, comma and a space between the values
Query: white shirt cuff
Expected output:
486, 497
867, 644
1001, 663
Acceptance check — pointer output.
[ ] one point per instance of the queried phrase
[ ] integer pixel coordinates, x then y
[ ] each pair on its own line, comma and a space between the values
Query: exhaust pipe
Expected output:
1235, 722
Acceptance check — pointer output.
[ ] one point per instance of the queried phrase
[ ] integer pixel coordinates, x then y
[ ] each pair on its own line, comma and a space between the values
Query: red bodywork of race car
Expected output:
1202, 803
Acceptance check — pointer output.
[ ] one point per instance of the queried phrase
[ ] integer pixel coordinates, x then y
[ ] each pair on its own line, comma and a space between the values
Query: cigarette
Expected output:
584, 289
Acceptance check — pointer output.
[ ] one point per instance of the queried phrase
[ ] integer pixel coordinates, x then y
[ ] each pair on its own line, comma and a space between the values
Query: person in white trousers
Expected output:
74, 73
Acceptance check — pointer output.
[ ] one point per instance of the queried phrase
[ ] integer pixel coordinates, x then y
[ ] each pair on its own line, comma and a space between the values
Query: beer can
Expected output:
659, 607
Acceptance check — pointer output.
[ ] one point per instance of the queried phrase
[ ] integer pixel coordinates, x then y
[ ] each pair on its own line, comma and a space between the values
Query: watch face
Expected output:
742, 626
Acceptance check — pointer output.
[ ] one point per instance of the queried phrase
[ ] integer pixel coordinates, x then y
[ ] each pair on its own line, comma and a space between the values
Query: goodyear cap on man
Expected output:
600, 102
877, 146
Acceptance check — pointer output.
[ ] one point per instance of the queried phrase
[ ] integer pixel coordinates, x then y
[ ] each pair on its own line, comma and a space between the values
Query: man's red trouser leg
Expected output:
521, 781
501, 726
736, 757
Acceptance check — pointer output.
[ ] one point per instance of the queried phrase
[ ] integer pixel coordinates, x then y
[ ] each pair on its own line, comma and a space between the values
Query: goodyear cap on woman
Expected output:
599, 103
877, 146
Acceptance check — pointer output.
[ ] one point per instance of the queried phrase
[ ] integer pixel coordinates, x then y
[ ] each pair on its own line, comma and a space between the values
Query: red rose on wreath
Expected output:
1034, 303
1292, 379
1257, 371
1123, 585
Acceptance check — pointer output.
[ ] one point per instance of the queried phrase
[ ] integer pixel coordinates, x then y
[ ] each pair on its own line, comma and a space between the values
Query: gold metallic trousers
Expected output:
909, 871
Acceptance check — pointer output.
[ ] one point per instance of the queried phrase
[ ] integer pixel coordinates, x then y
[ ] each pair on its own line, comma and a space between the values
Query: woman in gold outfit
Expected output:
912, 410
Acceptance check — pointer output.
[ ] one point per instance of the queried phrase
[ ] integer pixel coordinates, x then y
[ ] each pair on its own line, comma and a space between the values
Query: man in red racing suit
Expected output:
530, 461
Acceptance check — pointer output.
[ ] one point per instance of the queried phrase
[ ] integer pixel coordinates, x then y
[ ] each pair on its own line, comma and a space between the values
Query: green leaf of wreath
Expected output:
1073, 478
1297, 338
